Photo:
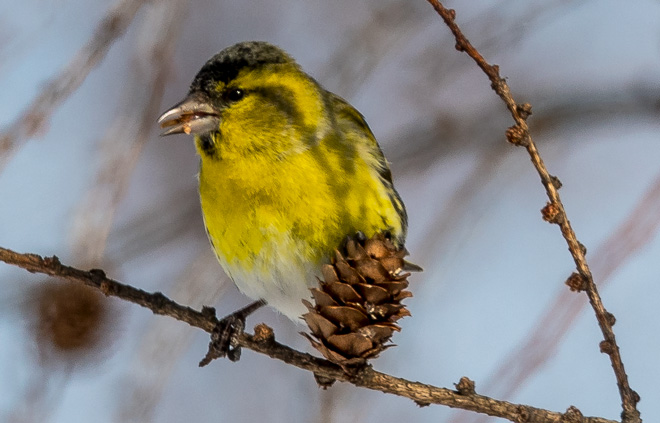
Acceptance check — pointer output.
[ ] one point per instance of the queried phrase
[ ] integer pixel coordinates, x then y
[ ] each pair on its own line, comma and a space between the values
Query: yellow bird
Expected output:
288, 171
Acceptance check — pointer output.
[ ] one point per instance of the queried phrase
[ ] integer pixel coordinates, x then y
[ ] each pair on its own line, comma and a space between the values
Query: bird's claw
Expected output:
226, 333
223, 339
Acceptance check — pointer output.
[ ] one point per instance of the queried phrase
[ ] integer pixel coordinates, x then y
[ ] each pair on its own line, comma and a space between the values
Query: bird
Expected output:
288, 170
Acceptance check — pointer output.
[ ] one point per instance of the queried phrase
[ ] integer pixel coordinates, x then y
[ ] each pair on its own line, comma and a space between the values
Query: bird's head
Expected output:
251, 98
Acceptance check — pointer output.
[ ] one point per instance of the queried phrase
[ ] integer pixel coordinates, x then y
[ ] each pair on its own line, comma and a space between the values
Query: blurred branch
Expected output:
475, 131
122, 145
396, 27
460, 202
500, 27
464, 397
467, 130
553, 212
152, 366
143, 232
543, 339
637, 98
35, 117
389, 30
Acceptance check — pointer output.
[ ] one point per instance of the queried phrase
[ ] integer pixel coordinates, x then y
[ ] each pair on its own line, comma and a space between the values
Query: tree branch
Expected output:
553, 212
464, 397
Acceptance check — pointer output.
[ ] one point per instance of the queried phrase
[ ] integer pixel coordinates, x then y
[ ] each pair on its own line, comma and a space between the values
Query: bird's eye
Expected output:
235, 94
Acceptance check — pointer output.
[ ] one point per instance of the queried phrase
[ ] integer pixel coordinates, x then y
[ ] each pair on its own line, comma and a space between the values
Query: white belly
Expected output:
278, 275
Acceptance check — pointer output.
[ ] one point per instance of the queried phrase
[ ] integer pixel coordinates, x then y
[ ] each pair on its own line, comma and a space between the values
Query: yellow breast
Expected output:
309, 201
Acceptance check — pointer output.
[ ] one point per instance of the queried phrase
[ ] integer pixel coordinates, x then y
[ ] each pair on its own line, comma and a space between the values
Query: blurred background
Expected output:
84, 175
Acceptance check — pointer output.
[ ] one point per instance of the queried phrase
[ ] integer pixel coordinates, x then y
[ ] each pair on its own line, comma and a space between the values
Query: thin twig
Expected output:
464, 397
554, 212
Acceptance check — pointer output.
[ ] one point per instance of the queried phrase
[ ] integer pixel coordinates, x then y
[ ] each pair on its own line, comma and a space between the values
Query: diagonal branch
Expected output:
464, 397
554, 212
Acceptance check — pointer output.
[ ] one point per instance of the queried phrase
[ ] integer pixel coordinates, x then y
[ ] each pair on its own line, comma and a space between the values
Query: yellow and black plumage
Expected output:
288, 171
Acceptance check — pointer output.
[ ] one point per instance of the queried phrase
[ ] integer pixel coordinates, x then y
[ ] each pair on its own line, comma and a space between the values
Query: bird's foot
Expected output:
226, 332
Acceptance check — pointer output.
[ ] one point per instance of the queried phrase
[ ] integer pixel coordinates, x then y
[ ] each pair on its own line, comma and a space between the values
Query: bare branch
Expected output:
554, 211
206, 320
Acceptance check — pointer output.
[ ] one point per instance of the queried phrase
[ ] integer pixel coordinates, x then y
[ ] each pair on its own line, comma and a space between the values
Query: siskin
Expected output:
288, 171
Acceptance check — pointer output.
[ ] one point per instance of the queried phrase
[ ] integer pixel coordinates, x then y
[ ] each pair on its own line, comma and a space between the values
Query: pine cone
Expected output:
359, 302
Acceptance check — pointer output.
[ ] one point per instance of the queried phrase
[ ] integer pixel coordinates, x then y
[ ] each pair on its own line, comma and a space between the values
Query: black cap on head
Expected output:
225, 66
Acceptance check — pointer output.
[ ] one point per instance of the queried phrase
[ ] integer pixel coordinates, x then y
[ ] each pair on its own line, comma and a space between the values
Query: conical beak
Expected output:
191, 116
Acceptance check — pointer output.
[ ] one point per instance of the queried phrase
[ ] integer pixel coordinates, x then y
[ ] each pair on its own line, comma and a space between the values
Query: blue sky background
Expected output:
590, 69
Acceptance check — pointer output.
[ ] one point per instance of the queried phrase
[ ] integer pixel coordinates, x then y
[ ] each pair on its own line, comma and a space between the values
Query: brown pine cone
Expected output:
359, 301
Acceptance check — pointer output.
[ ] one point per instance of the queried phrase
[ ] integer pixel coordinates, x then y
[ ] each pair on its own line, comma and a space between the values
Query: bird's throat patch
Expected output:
206, 145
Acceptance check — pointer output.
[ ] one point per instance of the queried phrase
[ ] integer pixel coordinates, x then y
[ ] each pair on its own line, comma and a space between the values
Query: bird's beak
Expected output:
191, 116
